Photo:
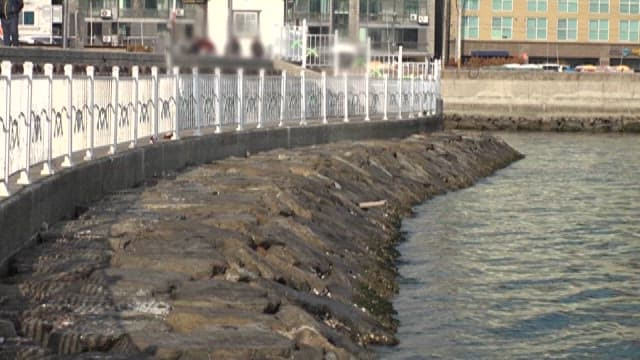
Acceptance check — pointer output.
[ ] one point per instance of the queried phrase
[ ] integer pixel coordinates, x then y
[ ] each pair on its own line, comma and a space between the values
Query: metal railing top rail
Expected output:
75, 113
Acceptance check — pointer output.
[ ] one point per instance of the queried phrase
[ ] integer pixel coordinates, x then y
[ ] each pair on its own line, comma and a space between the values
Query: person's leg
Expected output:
5, 32
14, 30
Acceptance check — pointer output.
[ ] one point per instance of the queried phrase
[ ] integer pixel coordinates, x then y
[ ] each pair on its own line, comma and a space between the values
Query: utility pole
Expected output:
65, 25
459, 36
354, 20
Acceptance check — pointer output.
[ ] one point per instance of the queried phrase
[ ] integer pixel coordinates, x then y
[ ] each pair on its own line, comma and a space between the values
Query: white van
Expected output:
553, 67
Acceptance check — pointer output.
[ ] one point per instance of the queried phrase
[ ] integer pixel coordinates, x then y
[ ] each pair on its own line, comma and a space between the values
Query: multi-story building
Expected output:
40, 22
139, 22
568, 31
389, 23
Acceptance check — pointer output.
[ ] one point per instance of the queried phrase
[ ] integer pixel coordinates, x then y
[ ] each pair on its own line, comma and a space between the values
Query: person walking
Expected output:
9, 11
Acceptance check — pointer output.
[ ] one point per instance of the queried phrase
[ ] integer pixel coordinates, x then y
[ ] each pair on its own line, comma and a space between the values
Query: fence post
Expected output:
92, 113
303, 99
196, 99
421, 96
176, 88
346, 97
400, 75
115, 78
156, 102
412, 100
135, 74
240, 113
366, 96
336, 58
283, 93
324, 97
68, 73
6, 128
305, 30
260, 97
47, 167
386, 90
216, 89
24, 174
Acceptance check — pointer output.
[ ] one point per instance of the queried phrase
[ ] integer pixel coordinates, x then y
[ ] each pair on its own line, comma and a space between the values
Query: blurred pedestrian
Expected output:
233, 47
9, 11
257, 50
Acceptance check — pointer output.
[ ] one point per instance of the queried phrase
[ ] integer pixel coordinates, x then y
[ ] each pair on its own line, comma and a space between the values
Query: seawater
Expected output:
540, 260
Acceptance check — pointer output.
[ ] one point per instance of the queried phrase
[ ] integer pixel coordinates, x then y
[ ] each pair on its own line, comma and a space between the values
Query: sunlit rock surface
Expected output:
270, 256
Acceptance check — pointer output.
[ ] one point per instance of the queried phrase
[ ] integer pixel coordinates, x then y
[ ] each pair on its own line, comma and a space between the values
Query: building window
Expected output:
471, 4
599, 30
502, 5
630, 6
27, 18
125, 4
410, 6
570, 6
94, 29
245, 23
629, 30
470, 28
537, 5
501, 27
537, 29
567, 29
599, 6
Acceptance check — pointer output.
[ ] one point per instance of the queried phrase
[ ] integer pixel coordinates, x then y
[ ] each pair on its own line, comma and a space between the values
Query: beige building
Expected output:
566, 31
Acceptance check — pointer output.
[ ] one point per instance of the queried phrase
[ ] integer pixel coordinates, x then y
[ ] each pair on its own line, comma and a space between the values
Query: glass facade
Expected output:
537, 29
567, 29
501, 27
629, 30
470, 27
598, 30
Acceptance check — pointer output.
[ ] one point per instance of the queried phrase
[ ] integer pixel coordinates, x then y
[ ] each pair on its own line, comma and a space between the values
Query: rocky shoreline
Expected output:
558, 123
282, 254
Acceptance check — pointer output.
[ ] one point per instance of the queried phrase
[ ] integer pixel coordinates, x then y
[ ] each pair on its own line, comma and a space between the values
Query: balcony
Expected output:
313, 17
383, 19
189, 13
383, 46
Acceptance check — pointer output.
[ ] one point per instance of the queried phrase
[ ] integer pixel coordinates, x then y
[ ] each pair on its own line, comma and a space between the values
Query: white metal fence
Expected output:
46, 117
295, 44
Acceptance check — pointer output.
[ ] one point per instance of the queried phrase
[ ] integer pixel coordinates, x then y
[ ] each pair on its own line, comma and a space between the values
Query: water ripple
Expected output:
542, 260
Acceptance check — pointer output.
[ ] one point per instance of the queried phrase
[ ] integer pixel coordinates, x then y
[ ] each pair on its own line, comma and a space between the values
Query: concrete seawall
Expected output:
59, 196
543, 101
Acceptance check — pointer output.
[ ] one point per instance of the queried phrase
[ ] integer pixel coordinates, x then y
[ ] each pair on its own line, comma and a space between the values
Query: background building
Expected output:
389, 23
574, 32
139, 22
246, 20
40, 22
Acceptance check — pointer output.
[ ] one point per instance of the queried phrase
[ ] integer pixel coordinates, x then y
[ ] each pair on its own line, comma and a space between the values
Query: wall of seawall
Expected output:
60, 196
547, 101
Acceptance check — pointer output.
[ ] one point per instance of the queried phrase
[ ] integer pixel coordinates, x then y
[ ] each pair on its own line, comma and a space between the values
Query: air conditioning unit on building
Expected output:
179, 12
413, 17
423, 20
105, 13
106, 39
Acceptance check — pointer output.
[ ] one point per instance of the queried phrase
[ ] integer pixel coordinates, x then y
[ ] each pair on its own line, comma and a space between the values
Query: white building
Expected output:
249, 19
40, 22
